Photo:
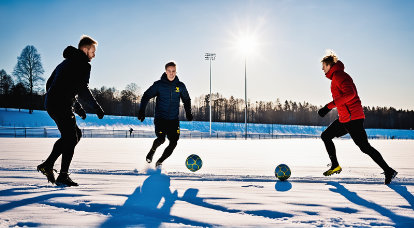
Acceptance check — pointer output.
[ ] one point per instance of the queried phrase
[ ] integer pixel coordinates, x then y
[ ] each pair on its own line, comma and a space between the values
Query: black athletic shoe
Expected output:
64, 180
389, 175
48, 172
150, 155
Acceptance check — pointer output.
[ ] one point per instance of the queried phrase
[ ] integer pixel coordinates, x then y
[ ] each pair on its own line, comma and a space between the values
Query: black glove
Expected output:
189, 116
100, 112
323, 111
141, 116
81, 112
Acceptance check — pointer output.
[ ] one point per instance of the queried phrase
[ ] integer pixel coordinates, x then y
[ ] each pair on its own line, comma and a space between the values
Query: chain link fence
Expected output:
48, 132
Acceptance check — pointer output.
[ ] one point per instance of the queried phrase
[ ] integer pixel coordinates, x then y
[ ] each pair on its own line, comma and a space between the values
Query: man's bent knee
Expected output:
160, 140
325, 136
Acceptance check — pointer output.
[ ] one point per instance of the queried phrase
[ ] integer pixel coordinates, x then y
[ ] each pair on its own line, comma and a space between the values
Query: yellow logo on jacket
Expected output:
177, 89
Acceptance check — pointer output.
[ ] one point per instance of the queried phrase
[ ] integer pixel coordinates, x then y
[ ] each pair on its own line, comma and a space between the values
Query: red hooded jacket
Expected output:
344, 94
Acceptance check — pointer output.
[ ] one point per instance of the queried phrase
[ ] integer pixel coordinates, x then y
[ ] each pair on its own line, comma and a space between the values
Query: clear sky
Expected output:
374, 39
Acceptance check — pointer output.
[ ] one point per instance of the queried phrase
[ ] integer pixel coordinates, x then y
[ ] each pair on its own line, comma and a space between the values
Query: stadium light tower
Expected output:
210, 57
245, 98
246, 44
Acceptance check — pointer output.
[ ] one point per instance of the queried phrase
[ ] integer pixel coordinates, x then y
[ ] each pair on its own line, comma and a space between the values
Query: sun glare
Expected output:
247, 44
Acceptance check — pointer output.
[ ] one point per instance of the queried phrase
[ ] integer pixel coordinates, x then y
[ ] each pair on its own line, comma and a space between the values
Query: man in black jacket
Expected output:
68, 82
168, 91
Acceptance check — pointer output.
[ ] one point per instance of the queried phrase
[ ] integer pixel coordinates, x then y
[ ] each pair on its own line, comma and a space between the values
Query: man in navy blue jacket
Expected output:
68, 82
168, 90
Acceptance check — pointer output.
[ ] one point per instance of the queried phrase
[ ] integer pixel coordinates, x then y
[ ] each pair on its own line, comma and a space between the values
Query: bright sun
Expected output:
247, 44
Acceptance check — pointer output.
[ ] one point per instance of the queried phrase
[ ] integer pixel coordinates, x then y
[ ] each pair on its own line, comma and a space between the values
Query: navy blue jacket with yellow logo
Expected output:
168, 95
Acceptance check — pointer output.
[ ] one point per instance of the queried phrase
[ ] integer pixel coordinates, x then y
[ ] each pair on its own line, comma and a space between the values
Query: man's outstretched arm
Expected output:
151, 92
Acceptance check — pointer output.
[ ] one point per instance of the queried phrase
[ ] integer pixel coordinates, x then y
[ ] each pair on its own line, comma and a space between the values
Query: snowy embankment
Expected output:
14, 118
235, 186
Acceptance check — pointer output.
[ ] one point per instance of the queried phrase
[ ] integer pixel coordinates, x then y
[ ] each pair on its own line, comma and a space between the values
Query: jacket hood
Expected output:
338, 66
73, 53
164, 78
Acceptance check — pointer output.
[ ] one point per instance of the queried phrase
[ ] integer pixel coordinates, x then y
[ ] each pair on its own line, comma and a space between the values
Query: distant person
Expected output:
351, 117
169, 90
68, 81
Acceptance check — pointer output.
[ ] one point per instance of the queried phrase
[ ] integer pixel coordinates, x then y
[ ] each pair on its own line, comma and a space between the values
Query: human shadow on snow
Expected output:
190, 196
150, 206
398, 220
402, 190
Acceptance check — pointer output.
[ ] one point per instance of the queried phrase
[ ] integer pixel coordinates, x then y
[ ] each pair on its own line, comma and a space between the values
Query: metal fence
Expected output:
46, 132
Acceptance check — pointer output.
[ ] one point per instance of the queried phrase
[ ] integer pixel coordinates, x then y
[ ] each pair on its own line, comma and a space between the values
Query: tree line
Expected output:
25, 89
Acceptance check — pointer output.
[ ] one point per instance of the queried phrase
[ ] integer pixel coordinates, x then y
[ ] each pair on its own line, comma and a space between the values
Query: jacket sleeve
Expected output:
347, 87
151, 92
84, 92
185, 97
76, 105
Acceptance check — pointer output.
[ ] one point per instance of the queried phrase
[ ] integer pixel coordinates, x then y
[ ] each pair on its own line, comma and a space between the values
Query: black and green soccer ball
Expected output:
282, 172
194, 162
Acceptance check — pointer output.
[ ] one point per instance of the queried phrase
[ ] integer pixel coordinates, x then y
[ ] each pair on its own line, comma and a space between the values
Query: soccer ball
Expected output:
193, 162
282, 172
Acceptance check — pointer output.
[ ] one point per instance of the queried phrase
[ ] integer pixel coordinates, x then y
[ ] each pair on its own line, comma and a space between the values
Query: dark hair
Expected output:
330, 58
86, 41
170, 64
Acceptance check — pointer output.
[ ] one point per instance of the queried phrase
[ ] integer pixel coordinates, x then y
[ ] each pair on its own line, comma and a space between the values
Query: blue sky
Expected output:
374, 39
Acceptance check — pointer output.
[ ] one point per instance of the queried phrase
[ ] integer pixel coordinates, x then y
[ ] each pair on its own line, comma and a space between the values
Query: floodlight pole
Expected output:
245, 97
210, 56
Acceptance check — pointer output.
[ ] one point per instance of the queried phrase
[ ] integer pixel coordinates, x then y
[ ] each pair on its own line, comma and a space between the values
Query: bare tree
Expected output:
29, 70
132, 93
6, 82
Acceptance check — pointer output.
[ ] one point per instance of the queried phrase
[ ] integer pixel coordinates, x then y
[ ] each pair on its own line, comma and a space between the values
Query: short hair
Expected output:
172, 63
330, 58
86, 41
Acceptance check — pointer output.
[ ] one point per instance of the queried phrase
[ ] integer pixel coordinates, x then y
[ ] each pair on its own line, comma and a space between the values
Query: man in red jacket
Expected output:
351, 117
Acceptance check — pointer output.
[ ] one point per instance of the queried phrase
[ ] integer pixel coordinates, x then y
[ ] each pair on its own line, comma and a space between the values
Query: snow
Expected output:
40, 119
235, 187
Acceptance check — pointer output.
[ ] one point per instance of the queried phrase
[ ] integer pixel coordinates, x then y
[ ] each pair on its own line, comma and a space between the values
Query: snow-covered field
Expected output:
235, 187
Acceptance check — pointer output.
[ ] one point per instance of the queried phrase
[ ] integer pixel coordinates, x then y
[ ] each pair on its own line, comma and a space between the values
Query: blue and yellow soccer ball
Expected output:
282, 172
193, 162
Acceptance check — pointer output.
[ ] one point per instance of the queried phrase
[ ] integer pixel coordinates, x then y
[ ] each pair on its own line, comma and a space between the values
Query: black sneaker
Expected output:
48, 172
150, 155
389, 175
64, 180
